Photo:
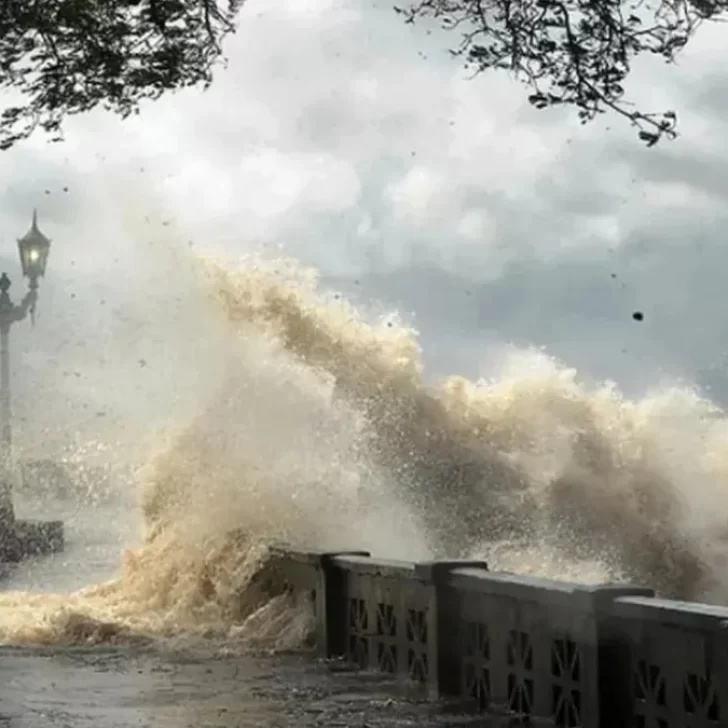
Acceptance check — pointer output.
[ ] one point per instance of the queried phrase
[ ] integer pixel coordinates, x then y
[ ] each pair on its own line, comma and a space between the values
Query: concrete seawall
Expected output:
519, 649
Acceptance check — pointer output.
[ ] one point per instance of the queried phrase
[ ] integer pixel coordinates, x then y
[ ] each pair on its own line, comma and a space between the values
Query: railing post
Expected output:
614, 658
332, 606
445, 677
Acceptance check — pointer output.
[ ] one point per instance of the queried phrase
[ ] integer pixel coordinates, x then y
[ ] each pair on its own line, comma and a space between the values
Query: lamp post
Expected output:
33, 248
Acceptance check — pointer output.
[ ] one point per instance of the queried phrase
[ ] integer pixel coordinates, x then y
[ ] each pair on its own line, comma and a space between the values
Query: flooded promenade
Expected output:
180, 683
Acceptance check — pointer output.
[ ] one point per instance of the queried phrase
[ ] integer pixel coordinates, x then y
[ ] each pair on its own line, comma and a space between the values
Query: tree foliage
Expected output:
574, 52
64, 57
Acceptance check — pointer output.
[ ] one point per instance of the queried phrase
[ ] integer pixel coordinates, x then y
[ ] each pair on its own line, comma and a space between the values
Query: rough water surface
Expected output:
320, 428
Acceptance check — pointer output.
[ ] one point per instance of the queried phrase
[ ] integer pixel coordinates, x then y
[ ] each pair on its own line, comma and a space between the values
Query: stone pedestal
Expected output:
31, 538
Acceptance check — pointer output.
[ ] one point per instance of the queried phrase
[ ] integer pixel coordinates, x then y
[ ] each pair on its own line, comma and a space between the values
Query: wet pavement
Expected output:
102, 688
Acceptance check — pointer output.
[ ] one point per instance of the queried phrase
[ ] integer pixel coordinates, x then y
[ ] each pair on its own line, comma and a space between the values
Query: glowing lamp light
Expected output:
34, 248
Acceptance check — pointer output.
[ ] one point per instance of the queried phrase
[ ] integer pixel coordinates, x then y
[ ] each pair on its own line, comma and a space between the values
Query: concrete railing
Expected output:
525, 651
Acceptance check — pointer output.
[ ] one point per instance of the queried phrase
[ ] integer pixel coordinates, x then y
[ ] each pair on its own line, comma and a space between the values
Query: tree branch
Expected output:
69, 56
574, 52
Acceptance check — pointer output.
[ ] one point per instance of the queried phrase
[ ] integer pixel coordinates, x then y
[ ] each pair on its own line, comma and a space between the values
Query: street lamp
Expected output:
33, 248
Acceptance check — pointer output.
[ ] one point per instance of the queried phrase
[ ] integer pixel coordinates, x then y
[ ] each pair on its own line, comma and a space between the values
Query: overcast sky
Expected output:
360, 146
